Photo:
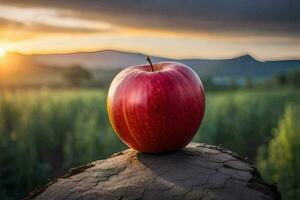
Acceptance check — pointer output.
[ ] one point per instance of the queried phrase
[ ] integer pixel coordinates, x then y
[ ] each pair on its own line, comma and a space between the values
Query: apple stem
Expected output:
149, 60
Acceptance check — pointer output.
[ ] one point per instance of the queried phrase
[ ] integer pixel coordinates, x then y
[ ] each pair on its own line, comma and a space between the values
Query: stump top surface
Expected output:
198, 171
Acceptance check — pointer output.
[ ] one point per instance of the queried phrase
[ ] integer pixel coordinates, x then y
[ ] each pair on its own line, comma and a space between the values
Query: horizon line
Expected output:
154, 56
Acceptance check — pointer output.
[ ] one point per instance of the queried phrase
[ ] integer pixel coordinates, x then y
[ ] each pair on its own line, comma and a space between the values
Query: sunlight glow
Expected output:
2, 52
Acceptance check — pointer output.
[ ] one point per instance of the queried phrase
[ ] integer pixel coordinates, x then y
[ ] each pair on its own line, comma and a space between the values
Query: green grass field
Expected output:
45, 132
243, 120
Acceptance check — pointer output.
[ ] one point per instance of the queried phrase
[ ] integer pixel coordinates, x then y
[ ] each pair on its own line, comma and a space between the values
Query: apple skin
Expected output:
158, 111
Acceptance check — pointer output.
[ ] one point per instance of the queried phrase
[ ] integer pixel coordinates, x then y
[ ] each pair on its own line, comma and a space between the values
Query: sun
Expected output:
2, 52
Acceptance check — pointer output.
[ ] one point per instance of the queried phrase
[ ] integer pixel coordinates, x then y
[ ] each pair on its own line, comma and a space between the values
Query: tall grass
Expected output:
279, 161
243, 120
44, 133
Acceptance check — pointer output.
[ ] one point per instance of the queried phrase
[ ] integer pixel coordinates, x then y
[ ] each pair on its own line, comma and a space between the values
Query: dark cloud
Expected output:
242, 17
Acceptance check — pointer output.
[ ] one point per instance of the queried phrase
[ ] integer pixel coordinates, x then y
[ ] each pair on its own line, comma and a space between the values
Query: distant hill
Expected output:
45, 70
243, 66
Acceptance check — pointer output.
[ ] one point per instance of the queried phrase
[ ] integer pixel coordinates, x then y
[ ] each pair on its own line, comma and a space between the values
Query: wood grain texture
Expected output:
199, 171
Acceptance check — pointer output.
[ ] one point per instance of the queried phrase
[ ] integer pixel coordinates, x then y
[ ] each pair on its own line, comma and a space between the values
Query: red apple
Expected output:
156, 108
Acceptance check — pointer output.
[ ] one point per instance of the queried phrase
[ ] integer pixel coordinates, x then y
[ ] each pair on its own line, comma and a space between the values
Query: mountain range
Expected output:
243, 66
104, 65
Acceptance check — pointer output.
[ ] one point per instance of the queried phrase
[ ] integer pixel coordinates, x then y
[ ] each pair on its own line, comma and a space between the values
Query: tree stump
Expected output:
198, 171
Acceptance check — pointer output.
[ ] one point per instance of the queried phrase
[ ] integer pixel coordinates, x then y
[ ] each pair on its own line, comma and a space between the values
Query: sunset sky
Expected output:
266, 29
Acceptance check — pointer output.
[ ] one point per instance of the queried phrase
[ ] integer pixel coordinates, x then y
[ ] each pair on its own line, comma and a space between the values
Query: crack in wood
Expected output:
199, 171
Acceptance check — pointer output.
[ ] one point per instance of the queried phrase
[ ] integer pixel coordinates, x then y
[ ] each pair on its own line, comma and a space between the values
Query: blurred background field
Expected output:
45, 132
